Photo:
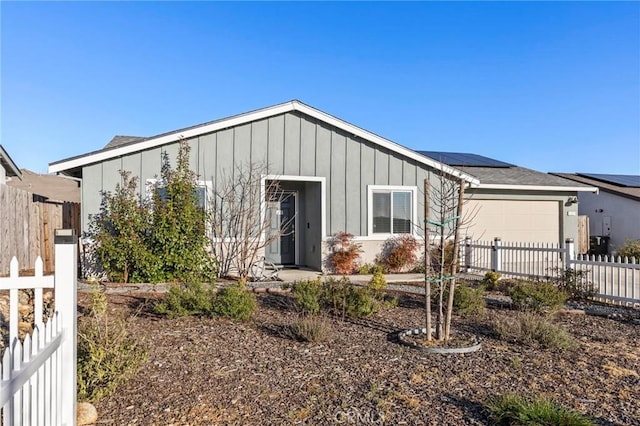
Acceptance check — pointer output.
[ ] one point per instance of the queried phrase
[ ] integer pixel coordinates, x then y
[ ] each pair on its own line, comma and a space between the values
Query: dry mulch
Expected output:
204, 371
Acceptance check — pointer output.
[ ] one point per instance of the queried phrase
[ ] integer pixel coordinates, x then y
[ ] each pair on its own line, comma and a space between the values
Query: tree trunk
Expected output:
427, 262
455, 265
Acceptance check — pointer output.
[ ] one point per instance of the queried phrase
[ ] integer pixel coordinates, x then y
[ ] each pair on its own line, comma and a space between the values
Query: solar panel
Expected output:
464, 159
631, 181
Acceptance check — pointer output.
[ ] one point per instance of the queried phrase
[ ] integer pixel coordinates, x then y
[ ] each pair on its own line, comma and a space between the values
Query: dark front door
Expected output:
282, 211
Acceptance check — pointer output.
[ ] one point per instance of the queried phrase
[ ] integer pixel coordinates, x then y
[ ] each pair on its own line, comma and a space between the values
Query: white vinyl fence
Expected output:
38, 385
614, 279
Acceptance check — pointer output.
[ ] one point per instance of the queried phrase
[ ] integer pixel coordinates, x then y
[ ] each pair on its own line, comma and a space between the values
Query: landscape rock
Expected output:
86, 414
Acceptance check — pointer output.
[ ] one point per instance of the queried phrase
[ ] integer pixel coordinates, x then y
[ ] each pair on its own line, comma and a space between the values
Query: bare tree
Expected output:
444, 219
241, 219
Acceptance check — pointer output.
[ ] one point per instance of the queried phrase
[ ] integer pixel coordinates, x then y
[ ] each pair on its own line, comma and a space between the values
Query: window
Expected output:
391, 209
200, 191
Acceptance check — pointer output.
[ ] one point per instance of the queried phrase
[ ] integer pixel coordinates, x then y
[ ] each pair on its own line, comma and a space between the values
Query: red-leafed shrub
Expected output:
344, 253
399, 253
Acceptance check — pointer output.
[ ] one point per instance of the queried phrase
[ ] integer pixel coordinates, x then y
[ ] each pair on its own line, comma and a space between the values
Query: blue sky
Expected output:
545, 85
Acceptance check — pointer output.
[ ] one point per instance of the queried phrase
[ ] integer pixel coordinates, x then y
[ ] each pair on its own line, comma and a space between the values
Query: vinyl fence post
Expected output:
467, 254
66, 277
569, 254
496, 255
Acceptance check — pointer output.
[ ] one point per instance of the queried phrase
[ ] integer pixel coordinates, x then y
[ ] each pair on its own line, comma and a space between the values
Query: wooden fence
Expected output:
27, 225
38, 376
614, 279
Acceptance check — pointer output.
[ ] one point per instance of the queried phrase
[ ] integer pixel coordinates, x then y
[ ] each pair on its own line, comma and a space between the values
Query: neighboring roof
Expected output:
123, 148
464, 159
54, 188
7, 163
122, 140
495, 174
625, 191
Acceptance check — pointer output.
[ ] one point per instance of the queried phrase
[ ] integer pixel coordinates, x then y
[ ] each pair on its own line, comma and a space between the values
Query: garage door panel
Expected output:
515, 221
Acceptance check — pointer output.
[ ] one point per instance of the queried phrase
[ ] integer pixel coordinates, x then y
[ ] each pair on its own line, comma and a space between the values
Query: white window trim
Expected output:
151, 183
391, 188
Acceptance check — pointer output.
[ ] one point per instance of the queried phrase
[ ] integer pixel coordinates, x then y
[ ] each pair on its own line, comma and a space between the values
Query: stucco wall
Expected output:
624, 214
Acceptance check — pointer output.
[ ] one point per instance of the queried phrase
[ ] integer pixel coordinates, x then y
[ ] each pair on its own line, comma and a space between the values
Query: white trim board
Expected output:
537, 187
152, 142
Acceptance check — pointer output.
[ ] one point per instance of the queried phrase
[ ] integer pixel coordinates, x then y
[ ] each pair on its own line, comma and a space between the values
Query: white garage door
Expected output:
514, 221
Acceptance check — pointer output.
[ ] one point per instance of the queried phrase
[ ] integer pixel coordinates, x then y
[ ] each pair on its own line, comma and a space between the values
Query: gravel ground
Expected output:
204, 371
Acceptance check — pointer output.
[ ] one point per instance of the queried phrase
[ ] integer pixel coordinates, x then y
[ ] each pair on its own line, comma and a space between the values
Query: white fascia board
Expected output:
357, 131
537, 187
253, 116
171, 137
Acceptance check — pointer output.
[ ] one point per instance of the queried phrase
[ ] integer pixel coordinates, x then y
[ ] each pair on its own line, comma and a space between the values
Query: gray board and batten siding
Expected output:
291, 144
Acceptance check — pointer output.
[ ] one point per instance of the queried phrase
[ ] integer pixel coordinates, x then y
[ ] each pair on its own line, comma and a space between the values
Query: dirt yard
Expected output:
204, 371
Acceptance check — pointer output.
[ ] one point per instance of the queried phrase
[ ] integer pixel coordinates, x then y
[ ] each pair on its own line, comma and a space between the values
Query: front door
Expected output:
282, 212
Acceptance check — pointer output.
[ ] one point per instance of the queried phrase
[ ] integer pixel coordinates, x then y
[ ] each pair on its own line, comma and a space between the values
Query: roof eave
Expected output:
9, 164
538, 187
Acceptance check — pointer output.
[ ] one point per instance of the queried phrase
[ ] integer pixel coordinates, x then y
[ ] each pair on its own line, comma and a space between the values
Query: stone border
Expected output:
435, 350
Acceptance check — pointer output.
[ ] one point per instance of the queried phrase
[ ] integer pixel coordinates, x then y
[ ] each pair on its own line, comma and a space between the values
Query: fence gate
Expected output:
38, 383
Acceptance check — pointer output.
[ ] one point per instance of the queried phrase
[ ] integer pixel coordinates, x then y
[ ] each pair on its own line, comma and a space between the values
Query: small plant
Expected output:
107, 354
537, 296
344, 253
235, 302
469, 301
378, 283
307, 294
310, 328
532, 330
372, 268
341, 296
511, 409
490, 280
575, 283
631, 248
399, 253
188, 299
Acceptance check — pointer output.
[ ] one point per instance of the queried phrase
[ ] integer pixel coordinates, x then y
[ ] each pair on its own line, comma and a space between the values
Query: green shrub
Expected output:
310, 328
307, 294
341, 296
235, 302
377, 283
631, 248
372, 268
120, 234
152, 242
532, 330
490, 280
107, 354
512, 410
187, 299
469, 301
575, 284
537, 296
399, 252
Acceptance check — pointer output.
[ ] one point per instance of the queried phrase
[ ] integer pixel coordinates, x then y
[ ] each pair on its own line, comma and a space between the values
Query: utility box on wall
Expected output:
599, 245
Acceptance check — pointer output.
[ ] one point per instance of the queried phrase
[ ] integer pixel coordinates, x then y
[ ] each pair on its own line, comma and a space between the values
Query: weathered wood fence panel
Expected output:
27, 227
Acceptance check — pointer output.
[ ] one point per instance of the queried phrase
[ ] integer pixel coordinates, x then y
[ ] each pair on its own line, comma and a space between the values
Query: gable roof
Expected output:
496, 174
624, 191
7, 163
119, 147
122, 140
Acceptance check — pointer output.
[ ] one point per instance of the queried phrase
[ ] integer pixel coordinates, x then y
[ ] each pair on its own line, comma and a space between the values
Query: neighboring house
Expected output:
613, 212
515, 203
339, 177
48, 188
8, 168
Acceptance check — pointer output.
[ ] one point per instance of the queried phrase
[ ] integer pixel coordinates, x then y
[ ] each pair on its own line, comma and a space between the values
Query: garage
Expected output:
514, 220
